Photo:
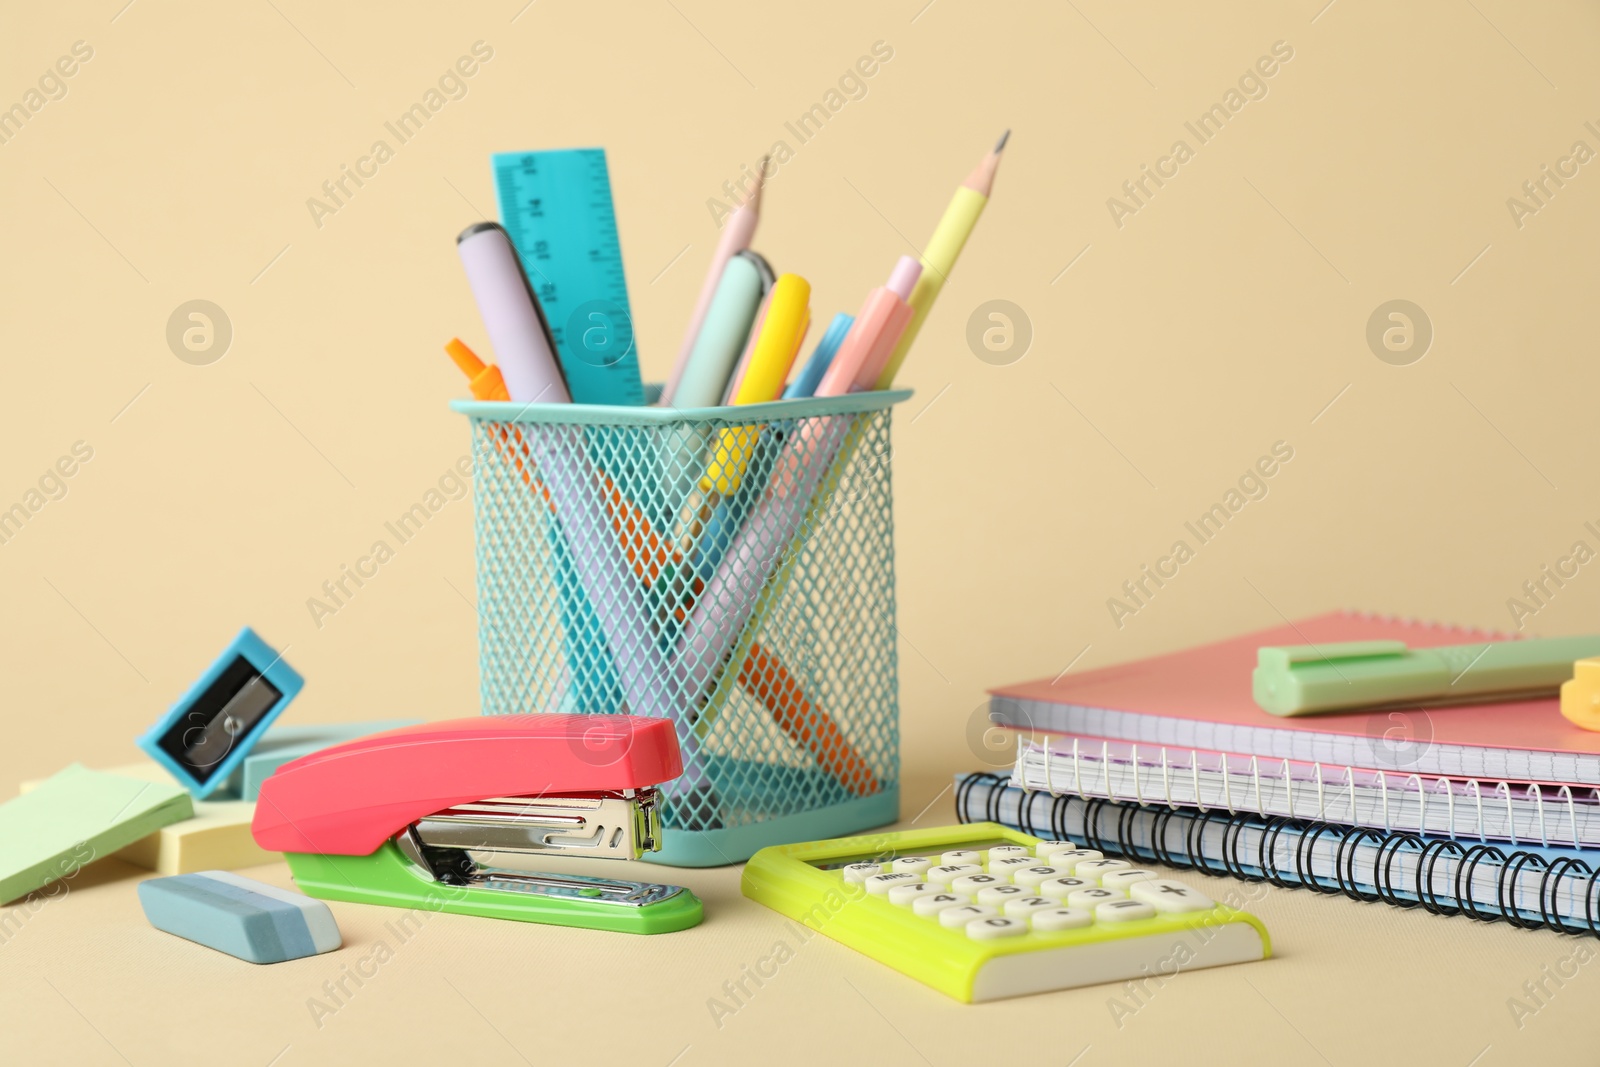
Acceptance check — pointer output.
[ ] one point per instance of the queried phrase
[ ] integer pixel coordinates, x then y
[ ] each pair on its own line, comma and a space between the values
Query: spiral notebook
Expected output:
1200, 699
1525, 813
1529, 887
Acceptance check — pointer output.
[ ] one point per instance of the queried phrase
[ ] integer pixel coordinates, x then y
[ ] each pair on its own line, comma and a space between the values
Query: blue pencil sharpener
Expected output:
214, 725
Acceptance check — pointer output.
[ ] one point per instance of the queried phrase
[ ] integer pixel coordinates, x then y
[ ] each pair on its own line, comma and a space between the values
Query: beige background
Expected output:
1227, 314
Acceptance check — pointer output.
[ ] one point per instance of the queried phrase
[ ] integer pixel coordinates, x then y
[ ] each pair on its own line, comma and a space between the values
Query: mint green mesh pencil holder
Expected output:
729, 569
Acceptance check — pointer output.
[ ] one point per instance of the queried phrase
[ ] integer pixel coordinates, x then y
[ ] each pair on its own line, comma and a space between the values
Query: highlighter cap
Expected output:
905, 275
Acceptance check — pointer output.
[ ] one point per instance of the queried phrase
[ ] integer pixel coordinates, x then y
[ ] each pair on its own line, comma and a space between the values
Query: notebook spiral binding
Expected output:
1108, 827
1099, 786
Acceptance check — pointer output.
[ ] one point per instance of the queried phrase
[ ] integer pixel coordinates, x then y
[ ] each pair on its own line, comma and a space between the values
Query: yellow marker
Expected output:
943, 248
788, 316
1580, 696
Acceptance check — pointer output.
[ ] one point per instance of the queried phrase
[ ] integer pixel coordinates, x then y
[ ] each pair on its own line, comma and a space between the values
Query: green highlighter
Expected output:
1361, 675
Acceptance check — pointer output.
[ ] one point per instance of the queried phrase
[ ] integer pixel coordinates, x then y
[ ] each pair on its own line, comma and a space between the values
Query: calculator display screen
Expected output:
886, 854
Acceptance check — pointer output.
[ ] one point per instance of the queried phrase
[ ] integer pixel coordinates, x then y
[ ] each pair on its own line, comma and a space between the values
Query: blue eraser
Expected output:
254, 921
212, 727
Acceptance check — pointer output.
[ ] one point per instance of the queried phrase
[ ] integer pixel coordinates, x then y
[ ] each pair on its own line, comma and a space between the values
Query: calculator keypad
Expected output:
964, 914
1007, 890
1163, 894
880, 884
1067, 858
1038, 874
910, 891
934, 903
995, 928
946, 873
997, 895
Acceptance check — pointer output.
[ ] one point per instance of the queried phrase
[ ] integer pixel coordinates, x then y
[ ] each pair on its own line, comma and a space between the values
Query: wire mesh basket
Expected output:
730, 569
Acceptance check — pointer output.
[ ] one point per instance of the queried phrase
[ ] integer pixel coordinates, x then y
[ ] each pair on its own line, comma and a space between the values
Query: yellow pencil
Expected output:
943, 249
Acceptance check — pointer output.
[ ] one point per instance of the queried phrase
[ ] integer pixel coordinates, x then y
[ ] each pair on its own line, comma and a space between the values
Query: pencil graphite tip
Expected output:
981, 180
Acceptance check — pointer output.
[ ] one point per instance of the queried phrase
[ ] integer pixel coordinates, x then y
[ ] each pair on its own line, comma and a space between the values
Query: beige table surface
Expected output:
86, 981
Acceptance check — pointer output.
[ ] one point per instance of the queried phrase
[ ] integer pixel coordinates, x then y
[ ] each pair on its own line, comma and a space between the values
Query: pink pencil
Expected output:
736, 234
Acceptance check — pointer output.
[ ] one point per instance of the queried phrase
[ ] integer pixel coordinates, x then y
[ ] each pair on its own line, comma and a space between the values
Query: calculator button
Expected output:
1115, 911
1048, 921
1061, 888
1091, 870
961, 855
1071, 857
934, 903
971, 883
860, 872
1022, 907
999, 894
1123, 879
1044, 848
950, 872
1000, 852
1166, 895
913, 864
910, 891
879, 884
965, 913
1032, 876
1089, 898
1006, 864
995, 928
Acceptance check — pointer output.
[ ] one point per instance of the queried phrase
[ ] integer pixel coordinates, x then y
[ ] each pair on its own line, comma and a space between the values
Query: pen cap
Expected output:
511, 315
904, 277
483, 379
895, 322
788, 315
723, 333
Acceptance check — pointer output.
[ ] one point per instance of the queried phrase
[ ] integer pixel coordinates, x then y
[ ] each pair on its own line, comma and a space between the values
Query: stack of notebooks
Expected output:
1491, 810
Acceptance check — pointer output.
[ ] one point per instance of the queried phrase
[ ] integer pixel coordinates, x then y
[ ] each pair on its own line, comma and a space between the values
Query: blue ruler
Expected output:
557, 208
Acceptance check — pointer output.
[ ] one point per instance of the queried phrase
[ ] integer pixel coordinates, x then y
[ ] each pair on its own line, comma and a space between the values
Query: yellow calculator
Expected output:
980, 912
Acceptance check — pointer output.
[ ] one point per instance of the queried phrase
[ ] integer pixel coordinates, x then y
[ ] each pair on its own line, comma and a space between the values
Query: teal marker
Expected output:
557, 208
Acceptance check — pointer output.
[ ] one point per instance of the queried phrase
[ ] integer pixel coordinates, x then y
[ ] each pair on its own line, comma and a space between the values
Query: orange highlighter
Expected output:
482, 378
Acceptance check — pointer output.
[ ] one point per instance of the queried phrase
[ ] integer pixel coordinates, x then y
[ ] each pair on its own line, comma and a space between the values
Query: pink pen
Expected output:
737, 231
867, 347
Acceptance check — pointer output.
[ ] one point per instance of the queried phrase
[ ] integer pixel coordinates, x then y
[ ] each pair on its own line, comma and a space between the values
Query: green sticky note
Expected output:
75, 817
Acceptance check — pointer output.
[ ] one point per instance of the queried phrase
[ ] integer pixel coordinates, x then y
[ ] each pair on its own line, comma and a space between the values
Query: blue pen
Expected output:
805, 383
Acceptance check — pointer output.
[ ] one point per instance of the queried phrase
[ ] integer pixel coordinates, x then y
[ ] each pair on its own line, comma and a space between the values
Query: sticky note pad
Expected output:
77, 816
282, 744
251, 920
216, 836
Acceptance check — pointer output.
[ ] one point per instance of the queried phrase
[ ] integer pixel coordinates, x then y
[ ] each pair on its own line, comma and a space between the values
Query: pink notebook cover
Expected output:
1210, 686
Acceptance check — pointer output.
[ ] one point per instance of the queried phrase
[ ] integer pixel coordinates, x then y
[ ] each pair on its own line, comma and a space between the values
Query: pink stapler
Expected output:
455, 816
